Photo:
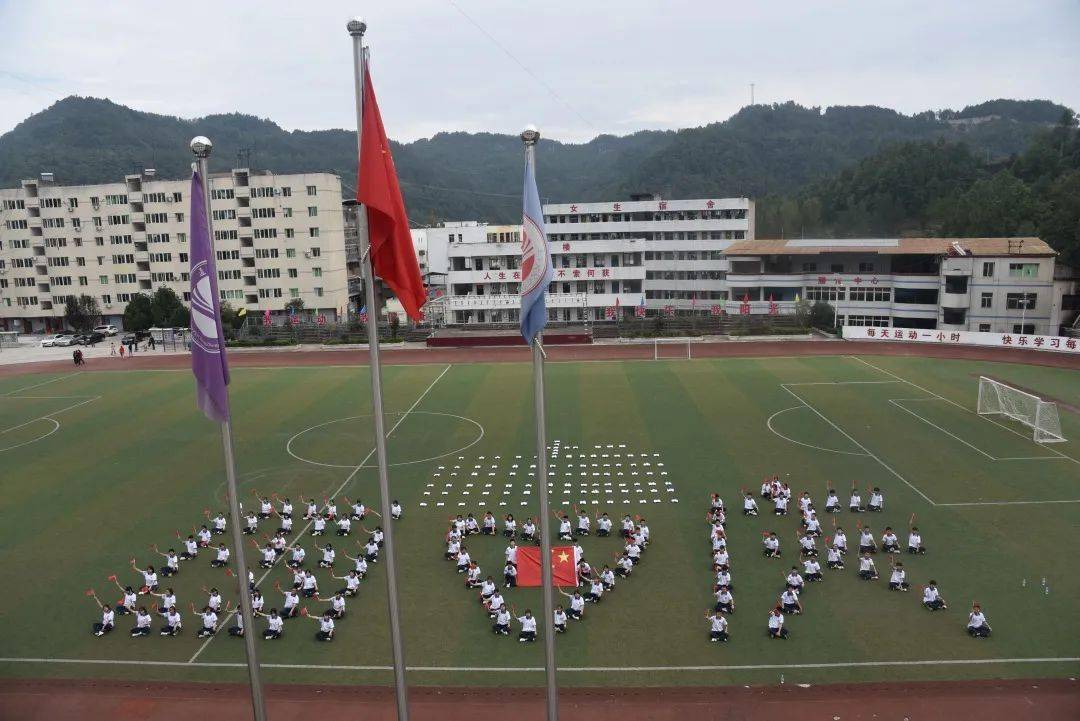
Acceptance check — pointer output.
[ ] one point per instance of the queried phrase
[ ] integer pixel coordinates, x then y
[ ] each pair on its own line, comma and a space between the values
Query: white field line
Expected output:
842, 383
567, 669
37, 385
768, 424
866, 450
896, 402
1010, 503
51, 413
938, 395
337, 492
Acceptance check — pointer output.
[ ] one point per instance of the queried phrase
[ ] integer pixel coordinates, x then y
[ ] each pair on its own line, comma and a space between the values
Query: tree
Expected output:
295, 305
230, 317
138, 314
802, 312
822, 316
167, 310
81, 313
395, 325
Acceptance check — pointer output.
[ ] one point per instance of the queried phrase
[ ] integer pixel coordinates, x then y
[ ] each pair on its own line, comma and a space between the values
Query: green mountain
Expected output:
762, 150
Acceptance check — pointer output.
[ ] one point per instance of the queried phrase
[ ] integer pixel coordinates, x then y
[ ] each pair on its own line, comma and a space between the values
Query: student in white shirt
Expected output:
977, 627
360, 562
318, 524
191, 548
291, 605
168, 600
855, 502
108, 617
812, 570
371, 551
898, 578
213, 599
203, 534
142, 623
771, 545
835, 560
463, 560
487, 528
509, 525
219, 524
209, 621
309, 587
472, 576
723, 577
502, 617
471, 526
173, 623
396, 511
725, 602
767, 489
285, 528
776, 624
495, 603
453, 547
718, 626
128, 601
352, 583
222, 558
487, 590
877, 501
603, 525
867, 569
286, 508
566, 532
150, 579
749, 505
172, 562
595, 592
358, 510
275, 625
298, 556
344, 525
510, 575
807, 546
932, 599
840, 541
528, 530
251, 524
914, 542
328, 556
625, 566
789, 601
559, 619
577, 604
832, 502
794, 579
528, 627
269, 557
889, 542
780, 505
337, 605
584, 523
867, 544
310, 509
326, 627
627, 527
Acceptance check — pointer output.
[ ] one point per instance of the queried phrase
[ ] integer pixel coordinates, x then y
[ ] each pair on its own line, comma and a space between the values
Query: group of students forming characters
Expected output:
596, 582
796, 581
215, 612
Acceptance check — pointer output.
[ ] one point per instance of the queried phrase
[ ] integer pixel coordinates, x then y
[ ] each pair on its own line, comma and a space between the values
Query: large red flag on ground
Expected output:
563, 568
392, 253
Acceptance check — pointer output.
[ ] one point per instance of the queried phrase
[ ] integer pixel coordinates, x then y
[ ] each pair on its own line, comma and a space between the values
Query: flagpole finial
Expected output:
201, 146
357, 26
530, 135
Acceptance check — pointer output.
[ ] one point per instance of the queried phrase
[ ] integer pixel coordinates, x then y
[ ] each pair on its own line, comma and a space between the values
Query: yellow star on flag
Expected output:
564, 557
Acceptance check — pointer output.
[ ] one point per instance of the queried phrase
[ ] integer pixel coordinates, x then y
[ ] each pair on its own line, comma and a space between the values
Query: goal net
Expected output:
1039, 415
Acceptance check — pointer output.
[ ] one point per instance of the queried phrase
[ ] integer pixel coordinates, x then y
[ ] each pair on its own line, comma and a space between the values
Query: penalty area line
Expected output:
567, 669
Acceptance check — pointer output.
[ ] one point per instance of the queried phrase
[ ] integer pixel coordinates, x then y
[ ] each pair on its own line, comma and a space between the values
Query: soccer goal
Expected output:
660, 351
1039, 415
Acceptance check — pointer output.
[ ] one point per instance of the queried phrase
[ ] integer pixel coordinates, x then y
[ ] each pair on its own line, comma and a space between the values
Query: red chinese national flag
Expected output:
563, 569
392, 252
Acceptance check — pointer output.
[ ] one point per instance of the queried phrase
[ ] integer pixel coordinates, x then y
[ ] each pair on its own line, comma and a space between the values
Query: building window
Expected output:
807, 267
293, 273
984, 327
988, 270
956, 284
289, 233
294, 292
953, 316
290, 252
1023, 270
836, 268
1020, 301
312, 211
315, 252
866, 267
311, 190
317, 272
313, 232
986, 300
318, 292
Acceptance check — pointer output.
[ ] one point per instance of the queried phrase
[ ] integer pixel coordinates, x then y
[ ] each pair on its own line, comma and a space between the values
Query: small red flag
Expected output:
111, 578
90, 592
563, 568
392, 252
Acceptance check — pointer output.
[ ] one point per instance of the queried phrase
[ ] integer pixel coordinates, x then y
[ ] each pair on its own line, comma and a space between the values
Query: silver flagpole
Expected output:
356, 28
530, 137
201, 147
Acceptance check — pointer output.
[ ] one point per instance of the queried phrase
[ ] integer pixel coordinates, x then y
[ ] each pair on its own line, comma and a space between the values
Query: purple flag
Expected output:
208, 361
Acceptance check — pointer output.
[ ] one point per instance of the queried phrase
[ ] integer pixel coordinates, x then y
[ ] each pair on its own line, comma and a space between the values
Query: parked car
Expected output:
50, 340
65, 340
91, 338
107, 330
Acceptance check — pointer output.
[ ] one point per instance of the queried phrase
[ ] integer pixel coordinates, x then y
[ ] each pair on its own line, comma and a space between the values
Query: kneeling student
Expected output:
275, 625
560, 619
834, 560
812, 570
173, 623
914, 542
889, 542
142, 623
718, 626
977, 626
749, 505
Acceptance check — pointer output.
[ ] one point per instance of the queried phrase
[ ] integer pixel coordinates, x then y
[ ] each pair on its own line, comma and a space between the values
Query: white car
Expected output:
64, 340
50, 340
107, 330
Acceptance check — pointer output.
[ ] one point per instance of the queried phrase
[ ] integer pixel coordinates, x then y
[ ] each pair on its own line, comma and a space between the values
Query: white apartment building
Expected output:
668, 253
999, 285
277, 238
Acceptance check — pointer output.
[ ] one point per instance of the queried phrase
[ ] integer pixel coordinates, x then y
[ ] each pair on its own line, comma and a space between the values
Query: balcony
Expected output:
142, 275
37, 243
249, 280
135, 196
247, 251
955, 300
43, 287
142, 256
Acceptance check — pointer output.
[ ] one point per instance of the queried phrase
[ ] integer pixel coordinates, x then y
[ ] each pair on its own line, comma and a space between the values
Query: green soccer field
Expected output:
96, 467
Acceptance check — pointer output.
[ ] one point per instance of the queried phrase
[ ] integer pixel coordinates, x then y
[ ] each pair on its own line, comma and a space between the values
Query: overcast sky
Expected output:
591, 66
